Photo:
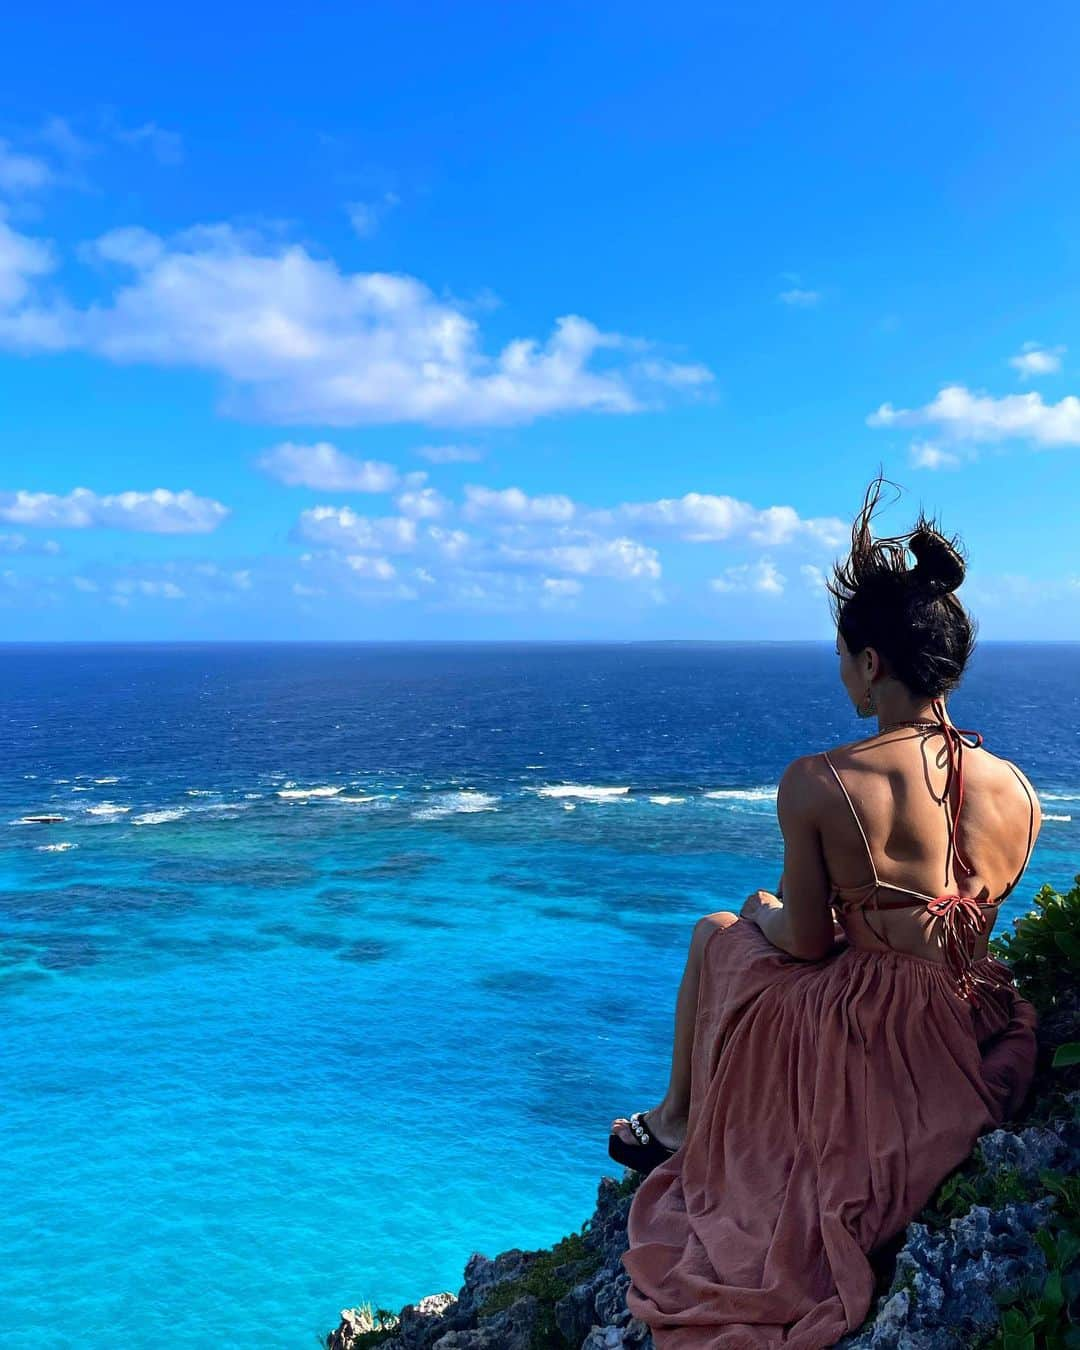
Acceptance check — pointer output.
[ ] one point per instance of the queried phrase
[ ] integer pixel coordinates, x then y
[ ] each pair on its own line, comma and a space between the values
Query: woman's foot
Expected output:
666, 1129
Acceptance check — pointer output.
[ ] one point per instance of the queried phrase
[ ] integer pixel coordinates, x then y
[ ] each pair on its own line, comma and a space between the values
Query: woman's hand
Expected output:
757, 904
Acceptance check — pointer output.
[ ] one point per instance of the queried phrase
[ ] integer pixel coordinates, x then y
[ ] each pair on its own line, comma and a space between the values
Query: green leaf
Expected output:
1053, 1298
1067, 1055
1069, 944
1047, 1245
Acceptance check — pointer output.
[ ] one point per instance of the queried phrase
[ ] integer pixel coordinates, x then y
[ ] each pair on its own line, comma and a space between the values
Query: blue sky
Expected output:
530, 321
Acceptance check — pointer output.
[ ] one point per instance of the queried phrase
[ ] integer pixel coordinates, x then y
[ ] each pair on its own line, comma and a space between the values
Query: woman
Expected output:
840, 1045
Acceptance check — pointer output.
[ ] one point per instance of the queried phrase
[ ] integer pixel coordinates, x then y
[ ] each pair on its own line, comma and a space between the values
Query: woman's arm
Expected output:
802, 925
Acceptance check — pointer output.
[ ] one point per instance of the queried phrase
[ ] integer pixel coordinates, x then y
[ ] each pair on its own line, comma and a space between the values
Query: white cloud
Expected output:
622, 559
706, 518
21, 173
560, 589
925, 455
1034, 359
339, 527
167, 147
673, 373
162, 590
513, 504
813, 576
450, 454
451, 544
20, 543
324, 467
365, 217
303, 341
422, 504
156, 512
761, 577
800, 298
302, 589
22, 261
965, 416
377, 569
85, 584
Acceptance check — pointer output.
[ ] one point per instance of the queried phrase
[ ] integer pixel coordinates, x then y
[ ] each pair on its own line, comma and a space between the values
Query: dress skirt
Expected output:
828, 1101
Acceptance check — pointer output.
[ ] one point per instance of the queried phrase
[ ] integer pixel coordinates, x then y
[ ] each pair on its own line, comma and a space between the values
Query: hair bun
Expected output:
939, 568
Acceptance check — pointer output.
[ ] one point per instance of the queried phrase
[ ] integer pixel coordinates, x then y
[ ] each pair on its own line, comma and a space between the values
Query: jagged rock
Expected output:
942, 1294
575, 1312
483, 1274
1028, 1152
424, 1322
634, 1335
513, 1328
354, 1322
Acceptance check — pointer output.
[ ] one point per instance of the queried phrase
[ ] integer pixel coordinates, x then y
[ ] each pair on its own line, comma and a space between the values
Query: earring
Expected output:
867, 706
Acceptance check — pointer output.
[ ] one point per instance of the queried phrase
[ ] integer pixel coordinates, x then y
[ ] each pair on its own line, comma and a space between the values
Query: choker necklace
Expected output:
915, 722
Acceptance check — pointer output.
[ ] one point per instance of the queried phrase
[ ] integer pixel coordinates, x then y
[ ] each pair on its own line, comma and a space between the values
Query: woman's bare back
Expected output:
896, 783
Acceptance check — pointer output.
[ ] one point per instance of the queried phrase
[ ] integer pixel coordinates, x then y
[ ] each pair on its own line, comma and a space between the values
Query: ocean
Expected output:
342, 957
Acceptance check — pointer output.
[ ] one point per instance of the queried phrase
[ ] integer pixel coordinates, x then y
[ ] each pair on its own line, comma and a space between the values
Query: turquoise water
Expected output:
354, 952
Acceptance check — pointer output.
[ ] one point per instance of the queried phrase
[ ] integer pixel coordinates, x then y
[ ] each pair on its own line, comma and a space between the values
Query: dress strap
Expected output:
866, 842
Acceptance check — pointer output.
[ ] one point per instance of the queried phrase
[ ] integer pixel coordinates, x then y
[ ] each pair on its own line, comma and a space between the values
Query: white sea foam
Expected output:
583, 791
1059, 796
44, 818
661, 800
344, 798
112, 779
756, 794
107, 809
1065, 818
252, 796
160, 817
569, 806
301, 794
201, 792
464, 802
80, 789
55, 848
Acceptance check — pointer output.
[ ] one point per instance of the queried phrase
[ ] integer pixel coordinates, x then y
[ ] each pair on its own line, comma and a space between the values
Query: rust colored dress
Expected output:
828, 1101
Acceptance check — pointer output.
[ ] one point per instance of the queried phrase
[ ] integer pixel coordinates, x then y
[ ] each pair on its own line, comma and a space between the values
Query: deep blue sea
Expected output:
343, 957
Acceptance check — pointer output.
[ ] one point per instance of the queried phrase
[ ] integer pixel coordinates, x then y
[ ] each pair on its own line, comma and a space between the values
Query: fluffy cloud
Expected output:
422, 503
324, 467
453, 544
761, 577
167, 147
377, 569
925, 455
19, 543
365, 217
156, 512
22, 261
163, 590
299, 340
339, 527
621, 559
704, 518
813, 576
800, 298
964, 416
21, 173
513, 504
1033, 360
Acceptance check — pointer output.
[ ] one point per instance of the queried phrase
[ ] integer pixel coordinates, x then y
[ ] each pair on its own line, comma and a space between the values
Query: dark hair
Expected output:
908, 614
